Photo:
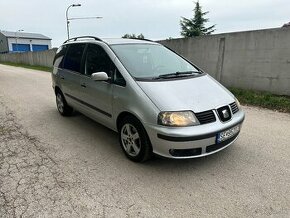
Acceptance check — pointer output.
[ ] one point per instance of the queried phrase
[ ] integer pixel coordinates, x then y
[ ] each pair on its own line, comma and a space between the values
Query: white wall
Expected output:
28, 41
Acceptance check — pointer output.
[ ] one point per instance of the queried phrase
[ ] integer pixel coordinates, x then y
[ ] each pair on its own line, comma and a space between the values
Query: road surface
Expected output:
53, 166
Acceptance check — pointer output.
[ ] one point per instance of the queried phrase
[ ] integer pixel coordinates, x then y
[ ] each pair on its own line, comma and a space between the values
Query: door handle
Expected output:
83, 85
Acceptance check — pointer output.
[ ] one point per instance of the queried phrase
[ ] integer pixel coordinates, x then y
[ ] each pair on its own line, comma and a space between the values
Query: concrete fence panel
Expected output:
258, 60
40, 58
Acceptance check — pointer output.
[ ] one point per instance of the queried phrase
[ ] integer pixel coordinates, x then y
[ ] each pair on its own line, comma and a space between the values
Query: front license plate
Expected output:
227, 134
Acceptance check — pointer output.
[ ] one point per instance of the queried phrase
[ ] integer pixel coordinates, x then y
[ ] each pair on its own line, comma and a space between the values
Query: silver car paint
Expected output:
146, 100
164, 146
197, 94
129, 99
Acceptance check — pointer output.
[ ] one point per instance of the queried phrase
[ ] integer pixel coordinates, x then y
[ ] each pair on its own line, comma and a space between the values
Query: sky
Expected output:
155, 19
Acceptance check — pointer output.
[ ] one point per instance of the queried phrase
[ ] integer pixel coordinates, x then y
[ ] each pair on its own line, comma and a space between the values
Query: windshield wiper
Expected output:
187, 72
176, 74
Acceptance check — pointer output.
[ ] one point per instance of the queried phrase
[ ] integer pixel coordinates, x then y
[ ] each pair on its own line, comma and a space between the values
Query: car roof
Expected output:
109, 41
112, 41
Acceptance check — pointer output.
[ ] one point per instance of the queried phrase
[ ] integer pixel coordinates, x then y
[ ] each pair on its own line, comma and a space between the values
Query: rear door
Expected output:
71, 74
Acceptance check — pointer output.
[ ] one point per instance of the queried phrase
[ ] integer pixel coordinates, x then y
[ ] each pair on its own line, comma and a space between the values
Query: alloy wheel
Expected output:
59, 103
130, 140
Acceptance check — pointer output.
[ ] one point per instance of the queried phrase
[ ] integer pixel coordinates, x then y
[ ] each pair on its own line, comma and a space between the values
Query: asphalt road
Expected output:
53, 166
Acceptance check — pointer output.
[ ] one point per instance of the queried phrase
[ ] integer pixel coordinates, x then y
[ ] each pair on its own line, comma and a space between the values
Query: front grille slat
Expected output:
206, 117
234, 107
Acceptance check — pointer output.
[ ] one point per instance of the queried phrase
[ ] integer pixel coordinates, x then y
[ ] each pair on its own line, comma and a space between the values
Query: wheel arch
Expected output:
124, 114
57, 90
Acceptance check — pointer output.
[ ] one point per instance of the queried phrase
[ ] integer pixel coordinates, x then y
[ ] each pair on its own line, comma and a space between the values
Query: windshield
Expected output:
149, 61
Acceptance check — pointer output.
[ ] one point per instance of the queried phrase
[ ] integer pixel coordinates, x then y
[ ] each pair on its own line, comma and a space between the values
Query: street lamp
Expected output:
16, 37
67, 20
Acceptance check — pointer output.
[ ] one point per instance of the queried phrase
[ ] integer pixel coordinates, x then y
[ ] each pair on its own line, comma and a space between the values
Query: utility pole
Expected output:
75, 18
67, 19
16, 37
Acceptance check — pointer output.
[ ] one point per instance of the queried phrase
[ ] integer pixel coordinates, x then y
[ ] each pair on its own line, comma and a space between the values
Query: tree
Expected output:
133, 36
196, 25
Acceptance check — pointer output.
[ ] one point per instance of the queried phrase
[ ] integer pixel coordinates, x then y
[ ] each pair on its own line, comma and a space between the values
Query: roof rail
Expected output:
143, 39
81, 37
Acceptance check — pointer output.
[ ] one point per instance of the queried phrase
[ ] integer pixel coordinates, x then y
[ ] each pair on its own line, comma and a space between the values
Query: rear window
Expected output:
60, 53
73, 57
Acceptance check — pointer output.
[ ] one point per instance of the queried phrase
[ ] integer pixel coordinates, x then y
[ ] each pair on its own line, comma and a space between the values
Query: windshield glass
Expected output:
149, 61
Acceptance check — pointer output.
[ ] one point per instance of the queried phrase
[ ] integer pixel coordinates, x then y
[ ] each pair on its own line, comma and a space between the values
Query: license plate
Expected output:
227, 134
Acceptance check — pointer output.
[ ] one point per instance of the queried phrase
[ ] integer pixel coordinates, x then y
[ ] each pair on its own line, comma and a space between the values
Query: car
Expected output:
156, 100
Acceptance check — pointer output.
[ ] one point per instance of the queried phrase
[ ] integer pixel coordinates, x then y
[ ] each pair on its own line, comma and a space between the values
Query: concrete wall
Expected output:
258, 60
40, 58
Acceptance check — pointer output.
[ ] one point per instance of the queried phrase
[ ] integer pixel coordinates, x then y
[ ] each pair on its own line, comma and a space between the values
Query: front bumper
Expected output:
191, 142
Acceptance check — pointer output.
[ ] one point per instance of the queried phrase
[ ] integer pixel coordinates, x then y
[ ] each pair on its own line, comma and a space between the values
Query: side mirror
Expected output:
100, 76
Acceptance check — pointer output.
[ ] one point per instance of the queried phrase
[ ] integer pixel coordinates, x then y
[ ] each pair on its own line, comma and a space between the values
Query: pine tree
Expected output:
196, 25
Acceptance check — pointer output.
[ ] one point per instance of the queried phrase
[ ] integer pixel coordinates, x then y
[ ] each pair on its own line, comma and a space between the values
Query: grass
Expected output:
33, 67
262, 99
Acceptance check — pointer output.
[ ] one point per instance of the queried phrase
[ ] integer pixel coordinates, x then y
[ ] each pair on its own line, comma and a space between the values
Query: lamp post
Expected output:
67, 20
16, 37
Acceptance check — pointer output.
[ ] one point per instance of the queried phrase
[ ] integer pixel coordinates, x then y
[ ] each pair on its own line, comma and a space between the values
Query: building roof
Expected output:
25, 35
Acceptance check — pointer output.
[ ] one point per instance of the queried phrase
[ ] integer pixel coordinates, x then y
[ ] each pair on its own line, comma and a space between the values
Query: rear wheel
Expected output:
63, 108
134, 140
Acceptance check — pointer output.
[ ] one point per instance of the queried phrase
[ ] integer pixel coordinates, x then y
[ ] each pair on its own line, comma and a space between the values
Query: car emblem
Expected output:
225, 113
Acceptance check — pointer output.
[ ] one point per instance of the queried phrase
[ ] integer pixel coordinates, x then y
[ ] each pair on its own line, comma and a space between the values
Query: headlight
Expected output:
182, 118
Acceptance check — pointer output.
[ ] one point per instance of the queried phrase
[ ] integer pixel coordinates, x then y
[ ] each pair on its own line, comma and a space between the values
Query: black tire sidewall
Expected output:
67, 110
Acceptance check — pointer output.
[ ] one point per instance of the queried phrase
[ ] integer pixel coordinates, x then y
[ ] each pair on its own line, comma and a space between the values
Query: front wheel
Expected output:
134, 140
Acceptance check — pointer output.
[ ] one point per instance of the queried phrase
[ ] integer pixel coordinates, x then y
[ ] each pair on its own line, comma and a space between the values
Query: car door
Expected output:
97, 95
71, 74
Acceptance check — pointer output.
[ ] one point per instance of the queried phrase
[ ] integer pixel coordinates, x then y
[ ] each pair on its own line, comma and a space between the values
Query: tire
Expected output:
134, 140
63, 108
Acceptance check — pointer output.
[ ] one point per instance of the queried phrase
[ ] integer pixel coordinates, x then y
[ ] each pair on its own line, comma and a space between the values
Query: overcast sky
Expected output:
156, 19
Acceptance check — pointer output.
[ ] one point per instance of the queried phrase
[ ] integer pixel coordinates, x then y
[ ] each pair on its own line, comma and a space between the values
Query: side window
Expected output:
97, 60
60, 53
73, 57
119, 79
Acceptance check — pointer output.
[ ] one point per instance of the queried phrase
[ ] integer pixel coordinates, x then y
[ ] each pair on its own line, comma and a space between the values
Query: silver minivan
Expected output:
158, 102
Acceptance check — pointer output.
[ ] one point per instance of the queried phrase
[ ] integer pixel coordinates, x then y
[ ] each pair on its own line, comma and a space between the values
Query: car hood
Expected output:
197, 94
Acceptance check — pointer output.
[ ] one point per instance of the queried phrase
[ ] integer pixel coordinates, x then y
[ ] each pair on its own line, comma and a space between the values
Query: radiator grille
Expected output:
206, 117
234, 107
